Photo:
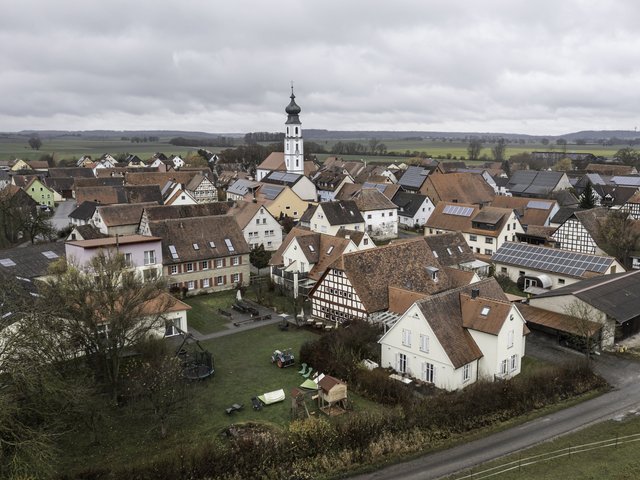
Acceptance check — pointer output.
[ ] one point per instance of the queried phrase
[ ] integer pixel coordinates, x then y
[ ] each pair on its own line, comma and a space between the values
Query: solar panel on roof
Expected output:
458, 210
271, 191
539, 205
550, 259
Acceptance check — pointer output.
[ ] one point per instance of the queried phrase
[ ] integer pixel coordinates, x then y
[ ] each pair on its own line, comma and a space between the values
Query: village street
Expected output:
621, 373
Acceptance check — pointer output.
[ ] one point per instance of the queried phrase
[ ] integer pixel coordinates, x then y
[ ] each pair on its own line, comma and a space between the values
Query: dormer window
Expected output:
433, 273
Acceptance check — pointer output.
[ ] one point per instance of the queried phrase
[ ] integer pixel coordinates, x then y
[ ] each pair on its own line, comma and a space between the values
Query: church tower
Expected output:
293, 143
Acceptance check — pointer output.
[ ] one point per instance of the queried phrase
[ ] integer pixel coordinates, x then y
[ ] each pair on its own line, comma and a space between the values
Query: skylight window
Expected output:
196, 247
485, 311
49, 254
229, 245
459, 248
174, 253
330, 250
7, 262
212, 245
311, 248
435, 254
449, 251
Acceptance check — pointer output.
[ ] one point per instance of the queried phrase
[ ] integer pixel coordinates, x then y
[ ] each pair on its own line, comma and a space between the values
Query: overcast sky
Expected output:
538, 67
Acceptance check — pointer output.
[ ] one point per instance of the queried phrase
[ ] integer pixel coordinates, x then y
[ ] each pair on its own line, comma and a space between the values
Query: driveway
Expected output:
60, 218
623, 374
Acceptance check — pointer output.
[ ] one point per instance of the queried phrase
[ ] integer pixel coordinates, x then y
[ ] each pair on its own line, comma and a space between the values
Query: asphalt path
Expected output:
623, 374
60, 218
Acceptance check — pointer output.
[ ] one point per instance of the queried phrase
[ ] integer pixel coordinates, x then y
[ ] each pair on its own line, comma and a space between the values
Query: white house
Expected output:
258, 226
174, 193
413, 209
177, 162
580, 232
330, 217
380, 214
329, 182
457, 337
485, 230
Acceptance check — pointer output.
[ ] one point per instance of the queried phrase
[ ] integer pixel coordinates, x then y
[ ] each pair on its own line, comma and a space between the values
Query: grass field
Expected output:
617, 461
74, 147
243, 370
204, 316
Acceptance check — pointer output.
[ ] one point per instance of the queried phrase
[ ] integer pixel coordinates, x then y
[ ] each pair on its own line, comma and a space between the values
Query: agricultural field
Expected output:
74, 147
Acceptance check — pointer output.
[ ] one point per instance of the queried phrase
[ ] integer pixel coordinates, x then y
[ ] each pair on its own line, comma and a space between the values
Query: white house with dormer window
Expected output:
453, 339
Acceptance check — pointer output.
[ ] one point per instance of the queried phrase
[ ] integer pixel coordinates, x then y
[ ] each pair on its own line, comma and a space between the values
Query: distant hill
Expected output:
318, 134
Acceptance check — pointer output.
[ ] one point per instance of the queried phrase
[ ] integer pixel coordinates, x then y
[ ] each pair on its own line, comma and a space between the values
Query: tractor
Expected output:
283, 358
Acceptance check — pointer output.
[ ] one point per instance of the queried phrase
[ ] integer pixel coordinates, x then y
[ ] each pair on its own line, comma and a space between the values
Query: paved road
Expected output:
60, 218
625, 398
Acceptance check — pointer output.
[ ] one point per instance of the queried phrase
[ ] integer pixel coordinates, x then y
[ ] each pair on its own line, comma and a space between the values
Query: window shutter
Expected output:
240, 277
397, 362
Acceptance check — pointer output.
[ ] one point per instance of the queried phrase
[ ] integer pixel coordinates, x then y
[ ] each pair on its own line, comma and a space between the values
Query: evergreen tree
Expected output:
587, 199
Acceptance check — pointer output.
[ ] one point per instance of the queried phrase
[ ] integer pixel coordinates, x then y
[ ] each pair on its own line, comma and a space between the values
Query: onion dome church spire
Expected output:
293, 143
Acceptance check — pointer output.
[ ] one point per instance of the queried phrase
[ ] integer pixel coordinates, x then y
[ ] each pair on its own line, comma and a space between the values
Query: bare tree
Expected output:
474, 148
498, 150
106, 308
584, 323
621, 234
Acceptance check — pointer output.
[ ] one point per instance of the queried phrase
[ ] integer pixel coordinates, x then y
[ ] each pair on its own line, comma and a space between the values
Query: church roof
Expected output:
293, 110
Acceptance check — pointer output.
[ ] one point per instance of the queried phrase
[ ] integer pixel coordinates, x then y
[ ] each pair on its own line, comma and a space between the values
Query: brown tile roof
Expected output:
328, 382
457, 277
400, 299
444, 314
121, 171
341, 212
161, 178
38, 164
528, 215
557, 321
122, 214
461, 223
183, 233
244, 211
541, 232
99, 182
451, 248
458, 187
491, 322
403, 264
71, 172
17, 197
166, 212
274, 161
371, 199
607, 169
355, 235
89, 232
127, 194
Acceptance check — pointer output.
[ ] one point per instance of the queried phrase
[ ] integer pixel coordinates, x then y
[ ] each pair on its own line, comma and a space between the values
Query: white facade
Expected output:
177, 162
335, 299
319, 223
263, 229
411, 347
293, 142
330, 195
381, 224
420, 217
572, 235
205, 192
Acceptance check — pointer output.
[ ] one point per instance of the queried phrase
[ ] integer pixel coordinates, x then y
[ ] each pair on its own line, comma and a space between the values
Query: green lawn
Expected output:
243, 370
204, 316
619, 461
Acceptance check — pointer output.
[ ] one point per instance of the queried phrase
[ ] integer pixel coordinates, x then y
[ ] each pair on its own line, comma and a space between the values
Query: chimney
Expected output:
475, 293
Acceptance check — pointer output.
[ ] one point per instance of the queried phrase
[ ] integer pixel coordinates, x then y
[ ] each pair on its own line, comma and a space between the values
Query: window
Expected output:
508, 227
149, 274
206, 283
510, 339
366, 241
401, 363
466, 372
204, 265
473, 238
219, 280
513, 363
561, 281
173, 269
189, 267
257, 221
235, 278
488, 251
191, 285
503, 269
424, 343
235, 261
128, 260
219, 263
428, 372
382, 214
488, 239
391, 213
149, 257
406, 337
503, 367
